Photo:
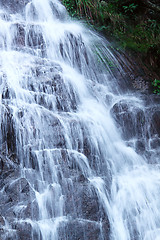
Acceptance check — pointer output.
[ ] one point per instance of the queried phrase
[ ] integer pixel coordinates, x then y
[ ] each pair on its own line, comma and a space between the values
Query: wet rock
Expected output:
35, 38
140, 83
7, 173
68, 166
108, 99
7, 93
15, 197
19, 33
153, 56
130, 119
7, 234
66, 98
54, 136
51, 91
33, 160
8, 131
140, 147
52, 132
82, 197
31, 211
90, 205
81, 178
124, 118
58, 10
155, 143
14, 192
150, 100
80, 230
76, 45
155, 124
7, 165
32, 12
14, 5
2, 222
140, 121
37, 234
23, 230
17, 191
5, 16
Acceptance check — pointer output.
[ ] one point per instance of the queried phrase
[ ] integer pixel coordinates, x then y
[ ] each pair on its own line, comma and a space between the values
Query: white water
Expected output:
57, 99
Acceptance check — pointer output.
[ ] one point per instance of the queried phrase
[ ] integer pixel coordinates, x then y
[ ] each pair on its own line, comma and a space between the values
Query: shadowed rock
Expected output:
155, 124
130, 119
81, 230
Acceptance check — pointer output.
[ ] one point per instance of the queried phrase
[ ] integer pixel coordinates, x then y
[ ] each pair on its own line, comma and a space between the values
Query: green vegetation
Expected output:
134, 23
125, 19
156, 85
130, 8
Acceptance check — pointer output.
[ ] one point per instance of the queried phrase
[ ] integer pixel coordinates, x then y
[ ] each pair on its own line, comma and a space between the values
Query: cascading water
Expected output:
65, 171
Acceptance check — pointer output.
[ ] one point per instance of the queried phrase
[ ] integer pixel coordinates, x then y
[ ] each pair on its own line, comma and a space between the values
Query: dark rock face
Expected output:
81, 201
140, 126
18, 197
130, 119
155, 143
140, 146
153, 56
18, 190
82, 198
66, 99
15, 195
23, 231
28, 36
8, 131
78, 49
19, 33
5, 16
80, 230
155, 124
35, 39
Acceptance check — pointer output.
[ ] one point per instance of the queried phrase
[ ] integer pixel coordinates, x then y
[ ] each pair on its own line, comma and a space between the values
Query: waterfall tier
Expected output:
79, 157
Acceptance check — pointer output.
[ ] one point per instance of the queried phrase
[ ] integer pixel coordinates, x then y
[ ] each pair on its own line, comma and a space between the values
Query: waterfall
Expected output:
79, 155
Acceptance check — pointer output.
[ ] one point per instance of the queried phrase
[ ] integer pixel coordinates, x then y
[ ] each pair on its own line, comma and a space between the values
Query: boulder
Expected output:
130, 119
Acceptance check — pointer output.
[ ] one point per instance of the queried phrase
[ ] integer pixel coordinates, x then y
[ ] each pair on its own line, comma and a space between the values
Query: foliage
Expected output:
121, 18
156, 85
70, 6
135, 26
130, 8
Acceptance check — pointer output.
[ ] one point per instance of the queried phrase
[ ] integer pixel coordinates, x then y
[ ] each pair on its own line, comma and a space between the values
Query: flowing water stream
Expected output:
79, 155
